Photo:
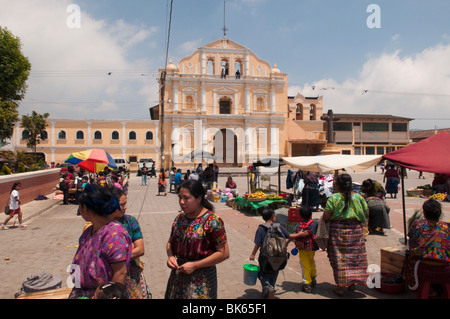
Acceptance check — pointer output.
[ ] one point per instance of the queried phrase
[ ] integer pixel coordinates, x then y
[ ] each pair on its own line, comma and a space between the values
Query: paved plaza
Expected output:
50, 241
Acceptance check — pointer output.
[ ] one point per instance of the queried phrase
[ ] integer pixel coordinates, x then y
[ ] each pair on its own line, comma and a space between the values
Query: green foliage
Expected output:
9, 115
14, 67
5, 170
14, 71
21, 168
35, 124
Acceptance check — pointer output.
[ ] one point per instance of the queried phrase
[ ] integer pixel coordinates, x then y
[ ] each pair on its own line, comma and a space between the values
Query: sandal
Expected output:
306, 288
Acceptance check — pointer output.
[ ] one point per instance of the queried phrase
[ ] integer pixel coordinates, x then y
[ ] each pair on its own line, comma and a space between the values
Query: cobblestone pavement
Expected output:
50, 241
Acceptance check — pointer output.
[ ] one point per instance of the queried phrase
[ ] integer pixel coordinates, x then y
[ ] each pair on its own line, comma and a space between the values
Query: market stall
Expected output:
333, 163
271, 163
255, 201
429, 155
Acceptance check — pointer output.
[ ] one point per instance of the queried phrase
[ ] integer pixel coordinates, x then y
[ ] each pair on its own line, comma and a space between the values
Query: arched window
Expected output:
25, 134
238, 68
44, 136
132, 135
312, 112
149, 136
225, 68
299, 112
61, 135
210, 67
115, 135
97, 135
80, 135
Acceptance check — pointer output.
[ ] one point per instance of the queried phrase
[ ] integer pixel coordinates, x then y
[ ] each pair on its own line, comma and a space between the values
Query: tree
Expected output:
8, 118
35, 126
14, 71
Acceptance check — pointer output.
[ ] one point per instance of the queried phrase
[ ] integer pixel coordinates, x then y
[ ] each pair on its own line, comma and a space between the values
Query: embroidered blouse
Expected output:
96, 252
196, 239
429, 241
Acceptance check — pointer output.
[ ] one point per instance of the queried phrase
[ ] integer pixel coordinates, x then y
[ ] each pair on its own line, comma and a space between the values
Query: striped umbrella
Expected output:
93, 160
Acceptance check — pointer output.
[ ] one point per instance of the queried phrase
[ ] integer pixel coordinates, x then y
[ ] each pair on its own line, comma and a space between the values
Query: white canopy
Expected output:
331, 163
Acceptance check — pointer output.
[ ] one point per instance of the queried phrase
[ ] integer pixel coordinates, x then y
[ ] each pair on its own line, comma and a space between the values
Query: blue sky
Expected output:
404, 65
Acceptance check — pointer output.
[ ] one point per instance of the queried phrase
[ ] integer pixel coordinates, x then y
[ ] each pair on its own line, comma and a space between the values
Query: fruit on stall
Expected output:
438, 196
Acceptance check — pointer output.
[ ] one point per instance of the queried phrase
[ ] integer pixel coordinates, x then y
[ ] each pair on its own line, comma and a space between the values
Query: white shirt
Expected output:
194, 176
13, 203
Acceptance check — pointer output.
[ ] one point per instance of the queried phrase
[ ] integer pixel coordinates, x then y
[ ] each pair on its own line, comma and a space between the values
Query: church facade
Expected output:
225, 100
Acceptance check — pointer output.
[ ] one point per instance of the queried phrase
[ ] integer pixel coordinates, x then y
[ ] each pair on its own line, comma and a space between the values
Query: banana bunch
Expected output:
274, 197
256, 195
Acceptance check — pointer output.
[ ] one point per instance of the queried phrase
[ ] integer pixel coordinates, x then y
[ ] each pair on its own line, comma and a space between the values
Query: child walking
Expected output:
268, 278
307, 247
14, 206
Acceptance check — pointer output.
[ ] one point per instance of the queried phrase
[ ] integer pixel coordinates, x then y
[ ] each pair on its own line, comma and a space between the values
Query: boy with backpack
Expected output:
272, 239
307, 247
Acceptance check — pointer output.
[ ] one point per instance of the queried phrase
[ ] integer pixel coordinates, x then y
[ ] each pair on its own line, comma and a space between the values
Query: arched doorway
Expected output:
225, 147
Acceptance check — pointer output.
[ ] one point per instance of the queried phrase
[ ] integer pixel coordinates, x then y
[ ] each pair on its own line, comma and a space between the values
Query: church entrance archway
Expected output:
225, 147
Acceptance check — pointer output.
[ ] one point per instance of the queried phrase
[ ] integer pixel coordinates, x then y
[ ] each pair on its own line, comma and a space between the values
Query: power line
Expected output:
364, 91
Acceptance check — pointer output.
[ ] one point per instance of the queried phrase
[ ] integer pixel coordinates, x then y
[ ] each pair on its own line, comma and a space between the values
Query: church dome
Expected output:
171, 67
275, 70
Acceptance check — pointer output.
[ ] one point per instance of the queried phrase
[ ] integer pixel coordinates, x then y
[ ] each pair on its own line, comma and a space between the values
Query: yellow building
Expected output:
225, 100
130, 140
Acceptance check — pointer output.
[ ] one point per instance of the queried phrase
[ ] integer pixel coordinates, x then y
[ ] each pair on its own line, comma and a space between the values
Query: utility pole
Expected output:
162, 83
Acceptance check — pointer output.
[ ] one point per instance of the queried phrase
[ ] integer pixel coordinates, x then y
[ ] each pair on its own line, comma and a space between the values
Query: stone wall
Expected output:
33, 183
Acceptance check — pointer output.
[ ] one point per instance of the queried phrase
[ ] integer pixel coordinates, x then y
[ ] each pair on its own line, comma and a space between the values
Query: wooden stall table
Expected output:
60, 293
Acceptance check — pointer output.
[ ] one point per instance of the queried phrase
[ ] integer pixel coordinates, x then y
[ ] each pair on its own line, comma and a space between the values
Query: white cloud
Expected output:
416, 86
72, 64
190, 46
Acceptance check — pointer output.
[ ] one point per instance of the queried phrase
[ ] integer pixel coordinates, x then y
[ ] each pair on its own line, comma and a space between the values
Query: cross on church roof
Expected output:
224, 20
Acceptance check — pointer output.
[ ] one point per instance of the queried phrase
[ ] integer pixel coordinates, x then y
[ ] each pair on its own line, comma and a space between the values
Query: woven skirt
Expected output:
347, 252
201, 284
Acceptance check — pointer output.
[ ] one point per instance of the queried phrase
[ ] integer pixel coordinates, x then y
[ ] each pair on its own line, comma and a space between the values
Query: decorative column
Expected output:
175, 141
272, 100
124, 134
214, 103
248, 140
203, 98
89, 135
53, 133
274, 140
203, 63
247, 100
175, 98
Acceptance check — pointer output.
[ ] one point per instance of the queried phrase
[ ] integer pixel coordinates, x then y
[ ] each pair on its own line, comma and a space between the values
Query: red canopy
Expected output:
429, 155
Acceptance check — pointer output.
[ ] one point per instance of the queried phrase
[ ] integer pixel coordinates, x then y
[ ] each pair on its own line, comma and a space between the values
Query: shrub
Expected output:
5, 170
